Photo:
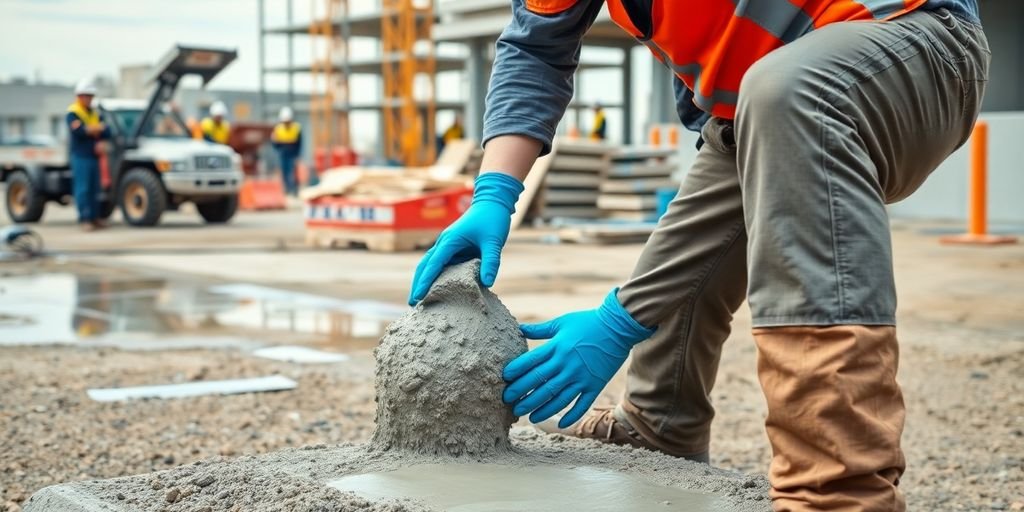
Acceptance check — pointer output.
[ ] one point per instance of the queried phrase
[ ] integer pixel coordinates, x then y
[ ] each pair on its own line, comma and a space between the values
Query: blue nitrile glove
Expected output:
586, 349
481, 232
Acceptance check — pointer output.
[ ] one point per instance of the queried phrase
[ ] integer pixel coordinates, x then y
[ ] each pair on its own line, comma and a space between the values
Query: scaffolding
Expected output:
408, 81
407, 66
329, 89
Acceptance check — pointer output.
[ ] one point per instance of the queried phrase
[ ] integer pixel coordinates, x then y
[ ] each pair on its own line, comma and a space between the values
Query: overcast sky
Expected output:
64, 40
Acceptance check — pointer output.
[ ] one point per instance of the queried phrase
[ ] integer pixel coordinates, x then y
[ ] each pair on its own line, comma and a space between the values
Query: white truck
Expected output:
154, 164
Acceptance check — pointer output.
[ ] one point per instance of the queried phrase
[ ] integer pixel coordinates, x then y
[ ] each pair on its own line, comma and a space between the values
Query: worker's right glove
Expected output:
481, 232
585, 350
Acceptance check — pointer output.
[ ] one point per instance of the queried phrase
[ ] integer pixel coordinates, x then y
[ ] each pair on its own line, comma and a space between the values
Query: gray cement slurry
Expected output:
301, 480
495, 488
439, 370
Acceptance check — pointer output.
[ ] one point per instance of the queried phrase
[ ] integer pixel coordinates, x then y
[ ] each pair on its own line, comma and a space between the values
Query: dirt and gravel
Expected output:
962, 369
964, 437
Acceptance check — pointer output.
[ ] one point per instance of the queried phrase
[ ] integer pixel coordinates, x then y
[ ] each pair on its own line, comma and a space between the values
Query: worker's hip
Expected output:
828, 130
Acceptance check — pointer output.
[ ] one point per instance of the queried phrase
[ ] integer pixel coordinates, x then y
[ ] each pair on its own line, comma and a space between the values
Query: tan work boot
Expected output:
606, 425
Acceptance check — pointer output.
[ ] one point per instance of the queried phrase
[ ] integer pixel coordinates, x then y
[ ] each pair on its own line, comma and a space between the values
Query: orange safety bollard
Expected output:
977, 216
574, 132
673, 136
654, 136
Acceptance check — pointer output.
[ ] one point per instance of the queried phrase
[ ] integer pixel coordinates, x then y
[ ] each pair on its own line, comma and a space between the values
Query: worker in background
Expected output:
600, 123
454, 132
814, 115
287, 141
216, 128
86, 128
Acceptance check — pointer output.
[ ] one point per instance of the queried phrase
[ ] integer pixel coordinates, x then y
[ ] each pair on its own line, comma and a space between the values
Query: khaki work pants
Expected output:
786, 207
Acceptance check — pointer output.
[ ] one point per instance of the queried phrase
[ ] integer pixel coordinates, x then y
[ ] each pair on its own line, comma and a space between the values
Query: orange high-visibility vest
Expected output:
710, 44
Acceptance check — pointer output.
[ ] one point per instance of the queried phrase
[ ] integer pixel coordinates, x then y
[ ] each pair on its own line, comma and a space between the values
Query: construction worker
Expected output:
814, 114
287, 141
454, 132
600, 123
216, 128
86, 128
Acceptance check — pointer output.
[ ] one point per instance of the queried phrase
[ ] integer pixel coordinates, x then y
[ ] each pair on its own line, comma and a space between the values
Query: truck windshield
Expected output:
163, 124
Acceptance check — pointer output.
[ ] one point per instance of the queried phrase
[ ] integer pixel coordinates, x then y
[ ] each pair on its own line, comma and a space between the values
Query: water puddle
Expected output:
497, 488
69, 308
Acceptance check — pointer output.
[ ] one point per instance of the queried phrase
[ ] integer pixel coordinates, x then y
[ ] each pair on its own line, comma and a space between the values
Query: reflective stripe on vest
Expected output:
89, 117
287, 134
220, 133
710, 44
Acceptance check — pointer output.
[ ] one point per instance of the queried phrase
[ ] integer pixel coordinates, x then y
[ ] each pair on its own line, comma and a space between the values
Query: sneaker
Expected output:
604, 425
87, 226
100, 224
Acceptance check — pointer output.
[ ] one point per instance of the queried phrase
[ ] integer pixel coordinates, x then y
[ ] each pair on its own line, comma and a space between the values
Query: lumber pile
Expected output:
571, 181
389, 209
358, 182
634, 174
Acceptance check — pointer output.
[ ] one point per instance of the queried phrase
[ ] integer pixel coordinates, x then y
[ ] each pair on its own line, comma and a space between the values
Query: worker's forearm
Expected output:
510, 154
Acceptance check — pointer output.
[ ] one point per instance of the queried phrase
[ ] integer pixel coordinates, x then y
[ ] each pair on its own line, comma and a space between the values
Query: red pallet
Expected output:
383, 224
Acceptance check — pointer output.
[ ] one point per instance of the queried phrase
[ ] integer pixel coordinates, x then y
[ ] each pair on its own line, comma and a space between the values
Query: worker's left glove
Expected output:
480, 232
585, 350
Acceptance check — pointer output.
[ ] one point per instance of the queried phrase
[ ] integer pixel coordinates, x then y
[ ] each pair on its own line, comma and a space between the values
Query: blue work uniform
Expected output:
287, 141
85, 163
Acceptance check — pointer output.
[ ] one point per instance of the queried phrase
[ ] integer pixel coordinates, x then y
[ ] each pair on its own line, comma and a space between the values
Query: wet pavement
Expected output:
146, 311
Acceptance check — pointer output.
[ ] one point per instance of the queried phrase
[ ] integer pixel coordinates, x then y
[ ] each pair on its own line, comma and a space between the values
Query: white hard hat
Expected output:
85, 86
286, 114
218, 109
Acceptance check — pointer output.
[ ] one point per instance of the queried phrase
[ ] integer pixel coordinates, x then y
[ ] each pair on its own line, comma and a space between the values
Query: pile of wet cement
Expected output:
439, 370
438, 386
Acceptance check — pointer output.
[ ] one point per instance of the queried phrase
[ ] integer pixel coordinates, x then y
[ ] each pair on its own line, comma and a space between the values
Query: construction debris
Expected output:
190, 389
301, 355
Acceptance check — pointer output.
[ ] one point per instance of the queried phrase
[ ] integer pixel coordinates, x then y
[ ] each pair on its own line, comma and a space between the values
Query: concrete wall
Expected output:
944, 195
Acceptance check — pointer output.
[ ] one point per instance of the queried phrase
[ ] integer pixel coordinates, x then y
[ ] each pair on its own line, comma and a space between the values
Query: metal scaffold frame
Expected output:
408, 117
329, 99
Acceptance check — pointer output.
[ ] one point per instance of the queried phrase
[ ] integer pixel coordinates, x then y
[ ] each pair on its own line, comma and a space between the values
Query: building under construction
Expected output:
415, 42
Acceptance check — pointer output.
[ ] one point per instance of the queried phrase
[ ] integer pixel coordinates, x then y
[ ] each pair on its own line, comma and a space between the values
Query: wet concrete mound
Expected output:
438, 377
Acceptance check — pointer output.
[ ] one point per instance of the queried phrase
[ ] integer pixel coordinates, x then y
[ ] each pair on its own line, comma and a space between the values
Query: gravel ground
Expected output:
964, 439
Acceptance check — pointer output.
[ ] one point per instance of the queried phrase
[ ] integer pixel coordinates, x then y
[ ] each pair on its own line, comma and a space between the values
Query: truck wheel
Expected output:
142, 197
24, 203
219, 211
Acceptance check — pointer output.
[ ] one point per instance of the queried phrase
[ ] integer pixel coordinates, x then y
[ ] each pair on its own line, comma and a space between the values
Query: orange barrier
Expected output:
654, 136
673, 136
977, 216
261, 194
574, 132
